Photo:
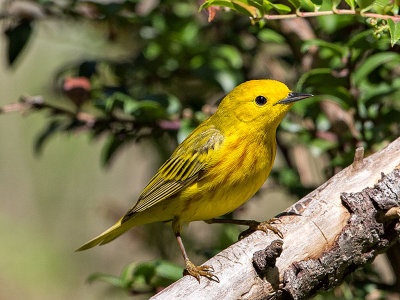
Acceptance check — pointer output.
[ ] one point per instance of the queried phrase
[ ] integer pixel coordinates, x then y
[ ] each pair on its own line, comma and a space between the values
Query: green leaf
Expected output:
127, 272
150, 108
52, 128
394, 29
335, 3
145, 270
168, 270
113, 280
226, 3
256, 3
207, 4
336, 48
109, 104
310, 5
371, 63
231, 54
295, 3
244, 10
324, 85
110, 148
228, 80
189, 33
183, 10
364, 4
359, 40
132, 107
281, 8
351, 3
317, 2
332, 23
313, 73
375, 93
288, 177
287, 125
319, 146
152, 51
269, 35
18, 37
174, 105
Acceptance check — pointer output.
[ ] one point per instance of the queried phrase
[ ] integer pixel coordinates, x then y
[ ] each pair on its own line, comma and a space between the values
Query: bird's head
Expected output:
263, 103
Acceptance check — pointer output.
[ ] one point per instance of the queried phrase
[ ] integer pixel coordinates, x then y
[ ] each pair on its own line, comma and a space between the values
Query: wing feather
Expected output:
180, 170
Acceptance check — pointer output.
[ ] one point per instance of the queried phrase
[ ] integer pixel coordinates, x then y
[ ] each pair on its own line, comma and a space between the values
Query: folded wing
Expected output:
184, 167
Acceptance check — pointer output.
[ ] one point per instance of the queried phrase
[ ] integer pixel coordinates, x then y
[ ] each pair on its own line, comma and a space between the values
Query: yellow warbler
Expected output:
219, 166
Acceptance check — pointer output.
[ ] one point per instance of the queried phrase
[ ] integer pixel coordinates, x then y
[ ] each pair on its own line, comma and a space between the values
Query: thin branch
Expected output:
331, 12
28, 104
32, 103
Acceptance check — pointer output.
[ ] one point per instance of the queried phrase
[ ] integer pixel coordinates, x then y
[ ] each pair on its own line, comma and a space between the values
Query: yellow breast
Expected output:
238, 172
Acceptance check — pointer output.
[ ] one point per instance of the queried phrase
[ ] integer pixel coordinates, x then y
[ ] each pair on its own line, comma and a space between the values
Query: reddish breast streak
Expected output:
254, 162
241, 160
233, 147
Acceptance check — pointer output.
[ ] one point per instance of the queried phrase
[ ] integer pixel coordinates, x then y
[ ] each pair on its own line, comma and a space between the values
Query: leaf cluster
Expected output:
142, 278
360, 76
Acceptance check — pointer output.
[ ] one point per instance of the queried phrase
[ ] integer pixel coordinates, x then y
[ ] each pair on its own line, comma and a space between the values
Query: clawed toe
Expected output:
274, 220
198, 271
263, 226
206, 268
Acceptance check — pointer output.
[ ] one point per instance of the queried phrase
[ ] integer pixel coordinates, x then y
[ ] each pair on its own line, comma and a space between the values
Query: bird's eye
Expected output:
261, 100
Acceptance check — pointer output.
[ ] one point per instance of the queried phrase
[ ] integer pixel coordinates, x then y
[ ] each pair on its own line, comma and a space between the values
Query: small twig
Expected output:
37, 103
13, 107
331, 12
358, 158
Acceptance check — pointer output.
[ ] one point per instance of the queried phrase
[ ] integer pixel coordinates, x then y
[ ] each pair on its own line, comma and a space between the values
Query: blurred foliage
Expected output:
359, 286
142, 278
182, 66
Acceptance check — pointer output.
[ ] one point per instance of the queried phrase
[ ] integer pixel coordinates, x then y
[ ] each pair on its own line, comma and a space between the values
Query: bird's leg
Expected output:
253, 225
195, 271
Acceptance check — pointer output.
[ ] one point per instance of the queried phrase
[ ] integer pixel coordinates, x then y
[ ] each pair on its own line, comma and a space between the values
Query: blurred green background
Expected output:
151, 71
52, 203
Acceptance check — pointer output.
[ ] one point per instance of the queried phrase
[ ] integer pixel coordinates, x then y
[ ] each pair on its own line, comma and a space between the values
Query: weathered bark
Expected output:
343, 224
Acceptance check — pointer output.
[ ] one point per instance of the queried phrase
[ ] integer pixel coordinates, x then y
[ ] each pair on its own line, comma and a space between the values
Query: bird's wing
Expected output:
180, 170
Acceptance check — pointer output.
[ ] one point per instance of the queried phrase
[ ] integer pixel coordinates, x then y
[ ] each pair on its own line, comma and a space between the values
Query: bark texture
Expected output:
342, 225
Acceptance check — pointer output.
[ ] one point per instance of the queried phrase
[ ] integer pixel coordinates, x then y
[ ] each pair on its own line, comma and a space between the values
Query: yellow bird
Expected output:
217, 168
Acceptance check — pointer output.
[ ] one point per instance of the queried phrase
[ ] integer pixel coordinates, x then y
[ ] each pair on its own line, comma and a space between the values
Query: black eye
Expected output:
261, 100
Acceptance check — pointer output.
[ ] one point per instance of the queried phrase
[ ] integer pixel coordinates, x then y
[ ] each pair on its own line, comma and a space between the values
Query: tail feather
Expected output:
107, 236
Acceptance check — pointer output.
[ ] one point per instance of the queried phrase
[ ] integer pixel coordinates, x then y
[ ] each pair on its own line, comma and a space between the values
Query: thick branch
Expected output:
343, 224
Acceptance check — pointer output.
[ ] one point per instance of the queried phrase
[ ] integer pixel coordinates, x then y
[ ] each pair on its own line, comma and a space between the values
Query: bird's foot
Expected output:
198, 271
263, 226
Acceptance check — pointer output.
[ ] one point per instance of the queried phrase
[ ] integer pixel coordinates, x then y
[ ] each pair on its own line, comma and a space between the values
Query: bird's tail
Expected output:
107, 236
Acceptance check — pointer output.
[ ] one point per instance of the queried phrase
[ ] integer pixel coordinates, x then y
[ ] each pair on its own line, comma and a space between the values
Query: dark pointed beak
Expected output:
293, 97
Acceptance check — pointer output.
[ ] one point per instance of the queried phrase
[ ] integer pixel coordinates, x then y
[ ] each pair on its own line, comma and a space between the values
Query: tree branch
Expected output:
28, 104
331, 12
342, 225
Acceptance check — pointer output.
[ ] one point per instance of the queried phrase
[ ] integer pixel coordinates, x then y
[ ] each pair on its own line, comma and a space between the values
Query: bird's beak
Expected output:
293, 97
